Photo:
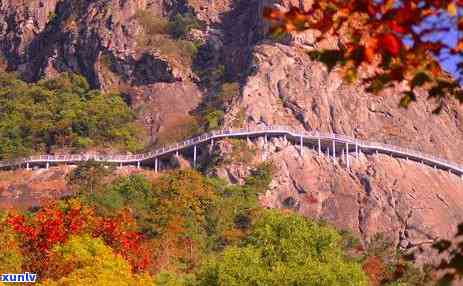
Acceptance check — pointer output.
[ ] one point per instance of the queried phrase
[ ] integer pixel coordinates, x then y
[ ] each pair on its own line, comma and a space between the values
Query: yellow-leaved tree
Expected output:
83, 260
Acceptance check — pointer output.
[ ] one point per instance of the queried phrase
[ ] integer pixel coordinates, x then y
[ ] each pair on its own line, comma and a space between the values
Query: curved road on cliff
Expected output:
333, 144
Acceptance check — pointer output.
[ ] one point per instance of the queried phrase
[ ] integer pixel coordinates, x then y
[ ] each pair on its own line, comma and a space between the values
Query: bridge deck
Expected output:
325, 141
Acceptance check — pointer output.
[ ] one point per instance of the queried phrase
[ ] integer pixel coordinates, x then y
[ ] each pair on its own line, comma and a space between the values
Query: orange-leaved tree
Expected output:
405, 38
53, 224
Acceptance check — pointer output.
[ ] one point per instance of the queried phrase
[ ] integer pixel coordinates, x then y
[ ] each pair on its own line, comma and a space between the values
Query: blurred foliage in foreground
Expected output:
404, 39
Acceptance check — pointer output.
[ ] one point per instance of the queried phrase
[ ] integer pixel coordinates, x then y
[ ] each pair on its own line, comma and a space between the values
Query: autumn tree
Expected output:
385, 265
132, 192
405, 39
53, 224
11, 257
121, 233
179, 211
170, 212
84, 260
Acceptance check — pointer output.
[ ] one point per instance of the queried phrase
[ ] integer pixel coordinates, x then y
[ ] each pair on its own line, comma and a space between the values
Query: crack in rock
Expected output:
442, 200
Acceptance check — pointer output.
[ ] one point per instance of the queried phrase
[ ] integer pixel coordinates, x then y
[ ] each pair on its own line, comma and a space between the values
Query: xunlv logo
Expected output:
18, 278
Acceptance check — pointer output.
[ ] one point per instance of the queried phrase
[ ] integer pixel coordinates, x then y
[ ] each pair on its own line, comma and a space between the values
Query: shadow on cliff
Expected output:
227, 55
60, 42
242, 31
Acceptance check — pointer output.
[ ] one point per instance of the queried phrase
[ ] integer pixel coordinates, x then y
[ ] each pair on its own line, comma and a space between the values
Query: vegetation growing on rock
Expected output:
169, 37
61, 113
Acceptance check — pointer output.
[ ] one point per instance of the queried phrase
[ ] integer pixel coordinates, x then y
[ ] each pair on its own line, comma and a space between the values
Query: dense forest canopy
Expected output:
61, 113
183, 228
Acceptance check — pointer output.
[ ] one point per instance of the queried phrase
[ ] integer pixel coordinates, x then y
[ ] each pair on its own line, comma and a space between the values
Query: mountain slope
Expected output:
114, 45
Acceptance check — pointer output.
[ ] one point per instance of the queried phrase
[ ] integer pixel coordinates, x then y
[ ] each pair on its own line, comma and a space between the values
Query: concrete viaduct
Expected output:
332, 144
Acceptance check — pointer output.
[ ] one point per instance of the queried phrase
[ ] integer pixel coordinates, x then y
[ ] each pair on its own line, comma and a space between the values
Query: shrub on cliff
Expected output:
180, 25
168, 37
213, 110
184, 128
88, 176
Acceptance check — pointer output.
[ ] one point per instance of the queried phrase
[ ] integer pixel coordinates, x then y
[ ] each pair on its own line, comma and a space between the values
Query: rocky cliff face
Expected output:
410, 204
102, 40
303, 94
280, 84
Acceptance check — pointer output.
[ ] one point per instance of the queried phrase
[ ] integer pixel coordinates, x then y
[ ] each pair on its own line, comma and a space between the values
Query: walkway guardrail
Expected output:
306, 136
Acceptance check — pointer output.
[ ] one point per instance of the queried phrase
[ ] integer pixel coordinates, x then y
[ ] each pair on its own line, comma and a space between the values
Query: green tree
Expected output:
174, 279
61, 113
132, 192
284, 249
235, 207
88, 176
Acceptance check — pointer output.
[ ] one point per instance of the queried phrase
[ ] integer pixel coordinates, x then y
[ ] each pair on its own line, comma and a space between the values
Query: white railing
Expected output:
258, 131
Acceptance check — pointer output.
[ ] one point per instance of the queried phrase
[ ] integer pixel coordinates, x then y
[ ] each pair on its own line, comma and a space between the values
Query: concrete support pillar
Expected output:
334, 151
138, 164
120, 164
156, 165
319, 146
347, 154
47, 165
27, 166
176, 153
212, 145
301, 144
194, 156
356, 151
265, 139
